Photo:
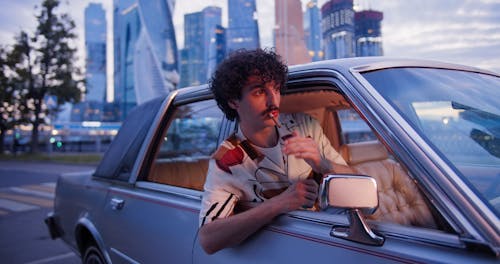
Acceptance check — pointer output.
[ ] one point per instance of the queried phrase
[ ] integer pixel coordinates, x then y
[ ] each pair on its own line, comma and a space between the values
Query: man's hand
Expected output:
301, 194
305, 148
232, 230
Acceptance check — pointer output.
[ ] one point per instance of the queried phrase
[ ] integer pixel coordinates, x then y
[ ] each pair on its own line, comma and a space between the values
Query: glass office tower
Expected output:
338, 29
95, 47
200, 54
312, 30
145, 51
368, 33
243, 29
155, 53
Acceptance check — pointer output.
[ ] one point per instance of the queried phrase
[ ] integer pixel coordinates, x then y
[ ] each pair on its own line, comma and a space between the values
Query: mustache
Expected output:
269, 110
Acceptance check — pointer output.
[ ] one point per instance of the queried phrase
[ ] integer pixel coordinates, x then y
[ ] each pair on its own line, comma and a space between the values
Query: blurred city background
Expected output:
72, 71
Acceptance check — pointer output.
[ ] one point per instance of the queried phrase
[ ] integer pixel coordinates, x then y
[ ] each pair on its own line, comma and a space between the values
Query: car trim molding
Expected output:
339, 245
151, 133
151, 198
123, 256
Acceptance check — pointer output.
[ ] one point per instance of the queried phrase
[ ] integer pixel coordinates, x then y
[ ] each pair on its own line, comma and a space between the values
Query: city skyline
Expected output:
465, 32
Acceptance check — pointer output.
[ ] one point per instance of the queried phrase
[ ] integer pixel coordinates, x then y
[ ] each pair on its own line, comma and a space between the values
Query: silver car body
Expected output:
135, 221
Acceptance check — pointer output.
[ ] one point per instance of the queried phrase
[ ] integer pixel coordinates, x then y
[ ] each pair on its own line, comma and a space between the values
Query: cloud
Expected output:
16, 16
462, 31
465, 32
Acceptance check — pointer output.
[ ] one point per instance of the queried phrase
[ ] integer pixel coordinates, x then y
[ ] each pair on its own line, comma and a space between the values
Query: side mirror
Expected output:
359, 195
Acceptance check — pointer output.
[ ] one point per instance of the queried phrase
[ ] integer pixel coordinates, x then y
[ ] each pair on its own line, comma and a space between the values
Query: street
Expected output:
26, 196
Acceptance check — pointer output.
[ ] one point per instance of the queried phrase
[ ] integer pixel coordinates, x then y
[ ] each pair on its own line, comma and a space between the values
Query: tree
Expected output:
7, 105
46, 67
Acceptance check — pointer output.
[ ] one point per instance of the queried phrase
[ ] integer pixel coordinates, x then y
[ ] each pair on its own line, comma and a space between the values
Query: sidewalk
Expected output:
30, 166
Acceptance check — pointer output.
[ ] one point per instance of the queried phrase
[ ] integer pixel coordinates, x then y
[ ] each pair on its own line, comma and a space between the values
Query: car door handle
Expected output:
117, 204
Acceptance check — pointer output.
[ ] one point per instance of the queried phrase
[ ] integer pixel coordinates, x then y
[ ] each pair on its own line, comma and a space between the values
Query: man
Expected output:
267, 160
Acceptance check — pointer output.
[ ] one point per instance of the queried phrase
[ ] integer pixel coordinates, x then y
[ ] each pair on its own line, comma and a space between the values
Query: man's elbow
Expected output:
208, 246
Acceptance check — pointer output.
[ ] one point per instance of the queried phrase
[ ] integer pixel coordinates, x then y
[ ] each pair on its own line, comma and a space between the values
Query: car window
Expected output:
353, 128
186, 146
457, 113
400, 199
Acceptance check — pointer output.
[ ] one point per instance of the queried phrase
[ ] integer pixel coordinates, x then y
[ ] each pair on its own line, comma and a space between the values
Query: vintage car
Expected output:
422, 136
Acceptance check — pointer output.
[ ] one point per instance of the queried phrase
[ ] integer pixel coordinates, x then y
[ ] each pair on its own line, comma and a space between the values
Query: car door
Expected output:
154, 218
305, 236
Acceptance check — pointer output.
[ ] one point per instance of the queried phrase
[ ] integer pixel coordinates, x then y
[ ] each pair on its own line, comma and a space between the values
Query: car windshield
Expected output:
457, 112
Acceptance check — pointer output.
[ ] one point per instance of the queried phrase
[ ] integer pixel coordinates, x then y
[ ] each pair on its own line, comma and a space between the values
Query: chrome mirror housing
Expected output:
359, 195
349, 191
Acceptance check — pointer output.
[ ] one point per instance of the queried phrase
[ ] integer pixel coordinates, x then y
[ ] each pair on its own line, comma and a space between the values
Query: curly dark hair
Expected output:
232, 74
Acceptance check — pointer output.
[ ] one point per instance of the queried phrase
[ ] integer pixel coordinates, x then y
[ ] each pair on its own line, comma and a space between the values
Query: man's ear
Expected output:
233, 104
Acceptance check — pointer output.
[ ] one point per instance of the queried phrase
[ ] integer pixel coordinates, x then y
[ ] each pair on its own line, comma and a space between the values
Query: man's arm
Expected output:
232, 230
307, 149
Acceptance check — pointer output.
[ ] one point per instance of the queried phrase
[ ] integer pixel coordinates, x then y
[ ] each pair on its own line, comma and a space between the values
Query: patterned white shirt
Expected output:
240, 172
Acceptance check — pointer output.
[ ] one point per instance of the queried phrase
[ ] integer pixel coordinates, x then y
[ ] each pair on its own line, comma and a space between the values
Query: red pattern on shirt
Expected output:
230, 158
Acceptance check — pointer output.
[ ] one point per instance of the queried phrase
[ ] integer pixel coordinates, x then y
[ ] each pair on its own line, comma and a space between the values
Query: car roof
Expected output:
356, 64
376, 63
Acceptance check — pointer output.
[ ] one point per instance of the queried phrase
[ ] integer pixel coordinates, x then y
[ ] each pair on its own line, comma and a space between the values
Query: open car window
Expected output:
187, 143
400, 199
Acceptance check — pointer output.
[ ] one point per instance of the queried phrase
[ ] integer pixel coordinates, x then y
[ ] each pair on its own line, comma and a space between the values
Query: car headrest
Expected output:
355, 153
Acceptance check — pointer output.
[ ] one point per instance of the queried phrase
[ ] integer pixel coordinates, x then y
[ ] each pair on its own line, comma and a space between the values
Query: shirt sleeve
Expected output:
326, 149
219, 197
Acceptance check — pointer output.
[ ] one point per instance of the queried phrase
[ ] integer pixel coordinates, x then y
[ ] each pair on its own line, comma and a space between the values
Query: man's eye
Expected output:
259, 92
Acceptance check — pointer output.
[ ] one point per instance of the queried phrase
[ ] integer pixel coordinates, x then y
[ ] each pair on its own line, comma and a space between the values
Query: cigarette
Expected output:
273, 117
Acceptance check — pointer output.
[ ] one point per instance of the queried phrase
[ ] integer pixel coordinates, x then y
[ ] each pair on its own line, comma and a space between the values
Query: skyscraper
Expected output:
91, 108
338, 29
126, 30
312, 30
220, 43
368, 34
289, 32
156, 50
243, 29
145, 51
95, 47
200, 53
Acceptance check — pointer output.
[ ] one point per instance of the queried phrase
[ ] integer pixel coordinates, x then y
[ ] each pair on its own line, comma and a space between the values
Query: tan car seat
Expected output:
400, 201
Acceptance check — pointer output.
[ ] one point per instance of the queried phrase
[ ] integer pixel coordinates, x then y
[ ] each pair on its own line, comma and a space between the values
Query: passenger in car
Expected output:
271, 159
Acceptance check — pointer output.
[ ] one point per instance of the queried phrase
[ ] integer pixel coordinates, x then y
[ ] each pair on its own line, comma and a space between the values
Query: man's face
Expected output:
258, 99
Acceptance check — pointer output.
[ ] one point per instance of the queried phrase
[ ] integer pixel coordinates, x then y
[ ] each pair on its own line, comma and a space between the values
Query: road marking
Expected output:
51, 184
43, 188
52, 259
16, 206
32, 192
26, 199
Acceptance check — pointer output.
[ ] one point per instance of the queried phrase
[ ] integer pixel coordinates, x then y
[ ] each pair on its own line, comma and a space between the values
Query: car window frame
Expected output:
192, 95
333, 78
455, 202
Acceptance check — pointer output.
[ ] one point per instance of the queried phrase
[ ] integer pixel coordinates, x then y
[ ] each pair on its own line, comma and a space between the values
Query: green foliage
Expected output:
10, 106
45, 66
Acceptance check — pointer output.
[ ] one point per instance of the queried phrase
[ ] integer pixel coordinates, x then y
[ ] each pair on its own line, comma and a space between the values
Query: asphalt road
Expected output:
26, 196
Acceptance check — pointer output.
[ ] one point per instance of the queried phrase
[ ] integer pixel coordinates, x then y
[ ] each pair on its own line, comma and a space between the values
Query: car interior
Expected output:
400, 200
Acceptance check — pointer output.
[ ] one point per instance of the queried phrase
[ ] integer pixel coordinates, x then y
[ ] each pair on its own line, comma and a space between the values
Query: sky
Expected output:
459, 31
